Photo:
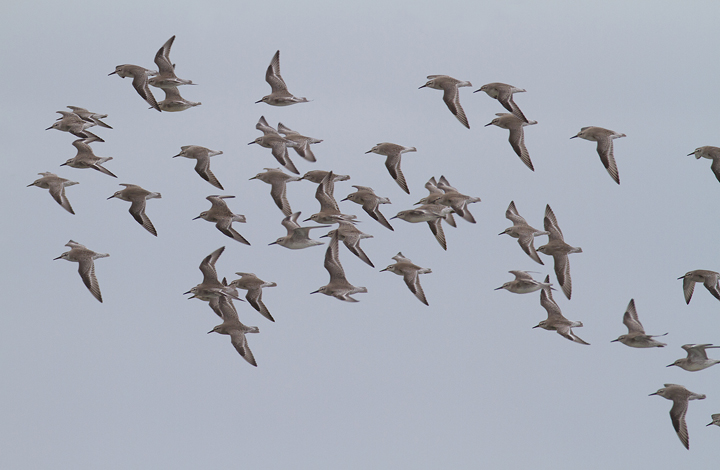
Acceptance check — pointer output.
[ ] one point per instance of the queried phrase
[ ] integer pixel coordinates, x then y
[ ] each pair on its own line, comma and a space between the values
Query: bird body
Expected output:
86, 266
138, 196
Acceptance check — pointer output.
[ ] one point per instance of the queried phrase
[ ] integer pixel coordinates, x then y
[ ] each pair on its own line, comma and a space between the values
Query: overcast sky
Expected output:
135, 382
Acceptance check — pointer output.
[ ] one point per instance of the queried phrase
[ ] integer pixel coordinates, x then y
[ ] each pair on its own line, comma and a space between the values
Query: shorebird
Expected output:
140, 81
56, 185
338, 287
430, 213
523, 232
202, 167
451, 97
515, 125
604, 138
280, 95
166, 77
297, 237
392, 162
370, 203
434, 195
254, 285
680, 397
137, 196
696, 359
174, 102
86, 267
86, 158
555, 320
708, 278
277, 179
302, 143
317, 176
504, 94
75, 125
329, 210
451, 197
636, 337
404, 267
715, 419
277, 143
523, 283
712, 153
559, 250
351, 236
232, 327
89, 116
223, 217
211, 290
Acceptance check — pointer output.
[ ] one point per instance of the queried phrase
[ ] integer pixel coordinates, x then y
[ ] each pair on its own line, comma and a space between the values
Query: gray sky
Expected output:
136, 382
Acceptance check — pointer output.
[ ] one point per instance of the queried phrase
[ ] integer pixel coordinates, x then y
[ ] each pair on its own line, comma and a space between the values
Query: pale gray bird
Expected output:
223, 217
711, 153
86, 158
138, 196
329, 210
254, 286
232, 327
370, 203
140, 76
451, 96
410, 272
430, 213
338, 287
351, 236
451, 197
317, 177
89, 116
523, 283
604, 139
524, 233
636, 337
504, 94
202, 166
392, 162
715, 419
555, 320
75, 125
86, 267
708, 278
302, 143
697, 358
278, 144
515, 125
211, 289
297, 237
280, 95
559, 250
56, 185
277, 179
166, 77
174, 102
680, 397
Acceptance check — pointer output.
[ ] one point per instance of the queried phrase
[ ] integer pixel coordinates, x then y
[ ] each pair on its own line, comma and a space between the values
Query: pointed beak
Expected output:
195, 218
209, 331
422, 86
669, 365
315, 292
573, 137
369, 151
488, 124
498, 288
653, 394
260, 101
31, 184
690, 155
614, 340
476, 91
536, 326
681, 277
341, 200
253, 178
112, 73
250, 143
57, 257
48, 128
179, 154
307, 219
383, 269
273, 243
111, 196
63, 164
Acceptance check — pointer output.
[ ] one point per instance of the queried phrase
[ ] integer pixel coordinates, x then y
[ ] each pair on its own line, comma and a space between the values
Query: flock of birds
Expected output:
440, 206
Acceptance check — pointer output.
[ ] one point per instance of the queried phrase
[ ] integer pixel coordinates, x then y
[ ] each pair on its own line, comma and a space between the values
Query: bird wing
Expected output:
137, 210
